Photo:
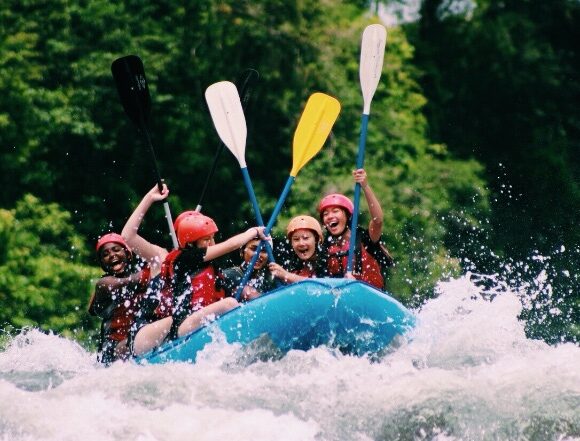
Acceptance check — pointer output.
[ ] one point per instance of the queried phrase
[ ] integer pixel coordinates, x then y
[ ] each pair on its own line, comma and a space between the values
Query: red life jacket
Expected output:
123, 316
204, 291
165, 308
204, 288
367, 269
305, 271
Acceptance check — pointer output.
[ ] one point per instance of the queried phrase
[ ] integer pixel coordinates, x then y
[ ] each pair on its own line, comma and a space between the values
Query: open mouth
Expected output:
332, 226
303, 253
117, 265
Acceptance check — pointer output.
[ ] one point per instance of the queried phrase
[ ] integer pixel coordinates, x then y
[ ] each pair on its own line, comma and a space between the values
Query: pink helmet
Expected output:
112, 237
336, 200
192, 228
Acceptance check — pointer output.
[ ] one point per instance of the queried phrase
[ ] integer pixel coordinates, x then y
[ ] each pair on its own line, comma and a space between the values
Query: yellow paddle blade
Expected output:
313, 128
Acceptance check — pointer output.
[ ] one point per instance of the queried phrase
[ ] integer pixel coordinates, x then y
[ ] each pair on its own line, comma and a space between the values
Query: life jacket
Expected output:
365, 267
203, 290
116, 327
305, 271
165, 306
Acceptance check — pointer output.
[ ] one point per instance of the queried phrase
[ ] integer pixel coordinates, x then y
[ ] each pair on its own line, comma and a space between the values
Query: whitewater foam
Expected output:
468, 372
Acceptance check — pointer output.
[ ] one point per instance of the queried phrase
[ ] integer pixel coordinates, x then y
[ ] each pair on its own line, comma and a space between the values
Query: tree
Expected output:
44, 281
502, 85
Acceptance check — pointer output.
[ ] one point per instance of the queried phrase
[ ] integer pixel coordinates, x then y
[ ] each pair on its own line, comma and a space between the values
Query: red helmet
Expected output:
306, 223
112, 238
336, 200
182, 216
192, 228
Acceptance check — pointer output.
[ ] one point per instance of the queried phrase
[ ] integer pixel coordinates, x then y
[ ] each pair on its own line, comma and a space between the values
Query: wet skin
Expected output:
335, 219
303, 243
249, 251
114, 258
206, 241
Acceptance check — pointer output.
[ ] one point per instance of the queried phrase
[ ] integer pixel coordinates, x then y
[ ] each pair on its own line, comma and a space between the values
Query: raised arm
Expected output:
154, 254
234, 243
375, 210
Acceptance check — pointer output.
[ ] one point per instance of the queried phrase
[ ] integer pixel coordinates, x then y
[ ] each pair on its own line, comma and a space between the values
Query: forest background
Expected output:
473, 145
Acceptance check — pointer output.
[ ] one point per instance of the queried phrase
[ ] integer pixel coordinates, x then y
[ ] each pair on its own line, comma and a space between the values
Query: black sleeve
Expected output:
228, 280
190, 260
377, 249
364, 235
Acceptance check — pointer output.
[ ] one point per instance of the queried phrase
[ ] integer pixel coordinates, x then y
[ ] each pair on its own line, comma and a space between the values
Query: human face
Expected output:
335, 220
114, 258
303, 243
205, 241
250, 250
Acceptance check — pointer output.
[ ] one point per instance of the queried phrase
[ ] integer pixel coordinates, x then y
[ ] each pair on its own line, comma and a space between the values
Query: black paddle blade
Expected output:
129, 76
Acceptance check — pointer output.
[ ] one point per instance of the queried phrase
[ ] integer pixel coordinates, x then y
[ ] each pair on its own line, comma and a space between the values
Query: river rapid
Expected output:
467, 372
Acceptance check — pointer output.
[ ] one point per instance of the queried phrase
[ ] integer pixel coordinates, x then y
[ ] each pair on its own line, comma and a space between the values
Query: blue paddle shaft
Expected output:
271, 222
257, 211
360, 159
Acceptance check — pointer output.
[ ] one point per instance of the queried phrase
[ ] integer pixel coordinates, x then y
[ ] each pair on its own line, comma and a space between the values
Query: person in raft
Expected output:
370, 255
305, 236
191, 275
260, 281
152, 321
117, 295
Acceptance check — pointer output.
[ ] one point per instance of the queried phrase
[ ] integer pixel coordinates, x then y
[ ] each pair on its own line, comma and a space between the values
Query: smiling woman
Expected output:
305, 236
117, 295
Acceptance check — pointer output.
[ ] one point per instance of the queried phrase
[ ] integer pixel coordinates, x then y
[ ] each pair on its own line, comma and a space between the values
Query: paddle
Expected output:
129, 76
371, 64
313, 129
227, 114
244, 85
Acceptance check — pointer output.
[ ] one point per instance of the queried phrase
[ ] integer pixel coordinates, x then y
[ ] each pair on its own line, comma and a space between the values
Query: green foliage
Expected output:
69, 140
488, 87
500, 79
44, 281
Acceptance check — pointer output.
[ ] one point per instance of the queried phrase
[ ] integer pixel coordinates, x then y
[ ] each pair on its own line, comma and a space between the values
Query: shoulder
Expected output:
365, 236
191, 257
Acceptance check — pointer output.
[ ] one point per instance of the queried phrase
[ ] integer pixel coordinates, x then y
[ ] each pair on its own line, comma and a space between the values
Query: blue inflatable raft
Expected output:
346, 314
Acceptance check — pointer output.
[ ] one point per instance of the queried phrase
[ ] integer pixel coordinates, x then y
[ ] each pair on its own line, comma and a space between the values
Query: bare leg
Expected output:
151, 335
196, 320
122, 350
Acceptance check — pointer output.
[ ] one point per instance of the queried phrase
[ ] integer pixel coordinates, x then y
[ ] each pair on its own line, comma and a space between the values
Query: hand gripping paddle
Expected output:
318, 117
371, 64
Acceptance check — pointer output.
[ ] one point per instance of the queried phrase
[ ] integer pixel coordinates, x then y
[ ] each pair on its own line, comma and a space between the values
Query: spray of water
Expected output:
467, 372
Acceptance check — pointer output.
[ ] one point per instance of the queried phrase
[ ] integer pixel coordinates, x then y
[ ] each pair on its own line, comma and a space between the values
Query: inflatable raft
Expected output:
346, 314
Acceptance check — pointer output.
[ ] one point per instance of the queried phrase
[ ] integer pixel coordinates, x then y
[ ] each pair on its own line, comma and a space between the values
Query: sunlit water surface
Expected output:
468, 373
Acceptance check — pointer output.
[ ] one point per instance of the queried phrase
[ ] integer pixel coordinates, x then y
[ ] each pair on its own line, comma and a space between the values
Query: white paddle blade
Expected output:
372, 54
228, 117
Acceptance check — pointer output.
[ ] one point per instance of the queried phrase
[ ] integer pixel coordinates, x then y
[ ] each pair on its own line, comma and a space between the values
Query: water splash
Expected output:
468, 373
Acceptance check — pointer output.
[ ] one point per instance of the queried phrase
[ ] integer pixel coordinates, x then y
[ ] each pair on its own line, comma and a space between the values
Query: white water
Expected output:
469, 373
